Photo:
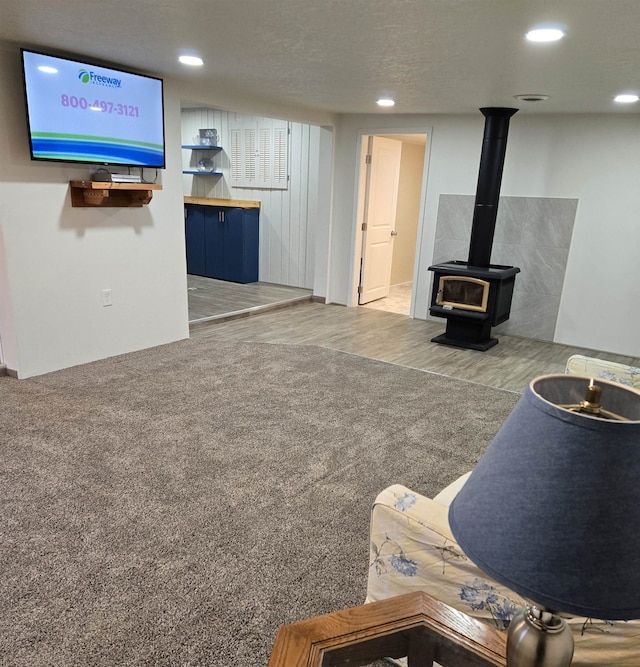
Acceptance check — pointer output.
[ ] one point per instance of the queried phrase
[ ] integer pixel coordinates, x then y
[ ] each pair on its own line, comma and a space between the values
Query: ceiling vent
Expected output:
532, 97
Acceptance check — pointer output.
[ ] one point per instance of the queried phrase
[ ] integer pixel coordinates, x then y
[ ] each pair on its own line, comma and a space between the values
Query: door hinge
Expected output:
364, 226
367, 159
359, 289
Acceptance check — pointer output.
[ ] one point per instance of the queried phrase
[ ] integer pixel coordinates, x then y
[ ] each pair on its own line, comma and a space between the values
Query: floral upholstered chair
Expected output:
412, 548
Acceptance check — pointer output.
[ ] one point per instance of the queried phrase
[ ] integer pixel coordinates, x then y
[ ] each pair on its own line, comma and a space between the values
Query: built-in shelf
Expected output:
198, 172
99, 193
201, 147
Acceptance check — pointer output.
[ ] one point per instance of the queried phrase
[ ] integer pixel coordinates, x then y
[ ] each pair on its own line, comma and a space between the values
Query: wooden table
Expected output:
415, 625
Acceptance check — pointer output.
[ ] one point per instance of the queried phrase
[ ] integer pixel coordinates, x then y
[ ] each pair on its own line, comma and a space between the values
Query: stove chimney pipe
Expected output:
494, 146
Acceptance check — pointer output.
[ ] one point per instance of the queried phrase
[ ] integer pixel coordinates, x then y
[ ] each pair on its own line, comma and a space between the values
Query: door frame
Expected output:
360, 180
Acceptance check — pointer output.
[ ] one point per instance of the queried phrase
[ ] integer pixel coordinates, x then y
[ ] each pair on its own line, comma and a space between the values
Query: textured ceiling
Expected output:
339, 56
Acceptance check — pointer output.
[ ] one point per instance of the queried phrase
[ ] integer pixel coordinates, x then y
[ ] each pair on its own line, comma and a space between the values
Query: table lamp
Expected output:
552, 510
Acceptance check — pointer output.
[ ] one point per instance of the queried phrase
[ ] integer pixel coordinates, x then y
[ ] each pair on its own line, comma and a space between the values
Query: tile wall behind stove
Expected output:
532, 233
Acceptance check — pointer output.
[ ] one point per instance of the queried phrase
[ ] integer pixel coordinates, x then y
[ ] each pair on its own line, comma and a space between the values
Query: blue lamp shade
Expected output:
552, 509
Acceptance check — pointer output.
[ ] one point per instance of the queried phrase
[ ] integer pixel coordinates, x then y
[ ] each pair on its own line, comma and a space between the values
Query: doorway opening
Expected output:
283, 183
390, 194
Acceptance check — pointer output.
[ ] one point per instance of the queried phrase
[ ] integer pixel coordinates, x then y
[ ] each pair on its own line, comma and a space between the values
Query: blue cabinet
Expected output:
222, 242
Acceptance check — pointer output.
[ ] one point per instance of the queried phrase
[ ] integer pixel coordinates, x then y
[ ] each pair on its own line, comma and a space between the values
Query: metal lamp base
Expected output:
538, 638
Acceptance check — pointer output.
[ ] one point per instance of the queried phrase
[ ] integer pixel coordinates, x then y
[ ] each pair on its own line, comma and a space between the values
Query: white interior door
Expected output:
381, 199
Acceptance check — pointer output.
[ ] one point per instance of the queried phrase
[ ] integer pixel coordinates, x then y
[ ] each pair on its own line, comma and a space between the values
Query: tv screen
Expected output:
81, 112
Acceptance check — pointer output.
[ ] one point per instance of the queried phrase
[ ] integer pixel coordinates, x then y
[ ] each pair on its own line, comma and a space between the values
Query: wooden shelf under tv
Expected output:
99, 193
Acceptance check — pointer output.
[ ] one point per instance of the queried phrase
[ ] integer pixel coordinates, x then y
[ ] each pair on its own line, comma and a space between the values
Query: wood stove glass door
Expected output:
463, 292
381, 201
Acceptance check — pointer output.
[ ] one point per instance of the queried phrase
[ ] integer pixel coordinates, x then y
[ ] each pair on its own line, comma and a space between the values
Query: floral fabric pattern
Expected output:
406, 501
403, 565
480, 594
390, 552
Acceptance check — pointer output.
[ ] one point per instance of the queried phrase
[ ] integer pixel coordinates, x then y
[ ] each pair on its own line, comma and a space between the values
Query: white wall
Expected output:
322, 230
597, 160
593, 158
55, 260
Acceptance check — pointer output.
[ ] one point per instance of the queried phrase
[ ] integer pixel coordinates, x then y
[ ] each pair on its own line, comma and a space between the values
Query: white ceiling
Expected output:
339, 56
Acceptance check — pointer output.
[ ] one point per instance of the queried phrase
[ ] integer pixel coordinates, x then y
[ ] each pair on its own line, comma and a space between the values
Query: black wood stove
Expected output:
476, 295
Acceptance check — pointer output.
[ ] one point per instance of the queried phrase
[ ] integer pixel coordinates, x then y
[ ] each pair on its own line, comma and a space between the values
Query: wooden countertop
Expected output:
212, 201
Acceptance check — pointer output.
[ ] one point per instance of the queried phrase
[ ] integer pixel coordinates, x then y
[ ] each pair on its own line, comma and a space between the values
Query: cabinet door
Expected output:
214, 242
241, 245
194, 225
250, 245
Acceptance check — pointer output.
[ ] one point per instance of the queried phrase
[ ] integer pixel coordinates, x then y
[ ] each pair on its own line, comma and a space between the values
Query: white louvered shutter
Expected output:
280, 156
237, 162
264, 157
259, 154
250, 156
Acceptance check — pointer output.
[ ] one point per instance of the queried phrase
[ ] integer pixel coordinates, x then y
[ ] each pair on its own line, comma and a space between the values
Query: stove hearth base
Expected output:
468, 335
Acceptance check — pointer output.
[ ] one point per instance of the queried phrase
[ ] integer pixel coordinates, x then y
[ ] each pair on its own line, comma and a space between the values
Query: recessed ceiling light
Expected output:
626, 98
385, 102
194, 61
545, 34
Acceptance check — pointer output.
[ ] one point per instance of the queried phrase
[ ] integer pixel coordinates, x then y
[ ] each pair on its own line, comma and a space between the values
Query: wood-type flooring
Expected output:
211, 299
398, 339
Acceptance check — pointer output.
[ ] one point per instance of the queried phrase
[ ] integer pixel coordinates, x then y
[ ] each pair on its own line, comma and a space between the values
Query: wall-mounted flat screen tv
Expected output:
81, 112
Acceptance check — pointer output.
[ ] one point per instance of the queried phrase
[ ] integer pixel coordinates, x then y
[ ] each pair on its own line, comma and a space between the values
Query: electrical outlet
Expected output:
107, 299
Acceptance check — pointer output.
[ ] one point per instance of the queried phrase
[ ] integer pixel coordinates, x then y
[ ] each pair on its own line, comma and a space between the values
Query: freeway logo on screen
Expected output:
91, 77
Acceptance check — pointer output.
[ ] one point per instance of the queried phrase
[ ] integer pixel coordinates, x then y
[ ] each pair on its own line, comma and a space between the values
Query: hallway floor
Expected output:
398, 301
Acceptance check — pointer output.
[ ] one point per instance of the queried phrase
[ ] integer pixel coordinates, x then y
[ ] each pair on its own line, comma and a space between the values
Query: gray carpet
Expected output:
175, 506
